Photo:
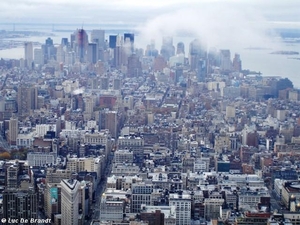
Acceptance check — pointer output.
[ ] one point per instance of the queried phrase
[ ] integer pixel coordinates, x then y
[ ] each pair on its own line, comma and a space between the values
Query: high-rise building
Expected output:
182, 201
237, 63
134, 67
60, 54
225, 60
141, 194
180, 48
64, 42
120, 57
98, 36
13, 131
197, 51
39, 56
52, 199
50, 51
92, 53
201, 69
108, 120
28, 54
70, 202
12, 176
20, 205
81, 41
167, 48
27, 100
112, 41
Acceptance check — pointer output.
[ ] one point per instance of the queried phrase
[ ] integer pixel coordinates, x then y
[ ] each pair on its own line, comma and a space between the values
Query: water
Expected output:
259, 60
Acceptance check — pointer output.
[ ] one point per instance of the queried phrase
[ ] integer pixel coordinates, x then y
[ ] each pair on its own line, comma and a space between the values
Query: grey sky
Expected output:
135, 11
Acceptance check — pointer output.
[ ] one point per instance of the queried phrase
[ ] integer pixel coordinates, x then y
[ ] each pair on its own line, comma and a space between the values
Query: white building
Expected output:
41, 159
70, 202
182, 202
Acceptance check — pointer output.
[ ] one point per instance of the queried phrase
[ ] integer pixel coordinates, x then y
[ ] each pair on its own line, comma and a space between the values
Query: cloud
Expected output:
219, 25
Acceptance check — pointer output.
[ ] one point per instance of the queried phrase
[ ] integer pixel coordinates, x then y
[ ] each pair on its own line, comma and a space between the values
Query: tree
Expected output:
5, 155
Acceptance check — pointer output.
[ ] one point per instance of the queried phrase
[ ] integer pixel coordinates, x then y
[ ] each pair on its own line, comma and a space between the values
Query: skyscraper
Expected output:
98, 36
13, 131
167, 48
28, 46
180, 48
20, 204
134, 67
39, 56
237, 63
27, 100
92, 53
197, 51
112, 41
225, 60
70, 202
81, 44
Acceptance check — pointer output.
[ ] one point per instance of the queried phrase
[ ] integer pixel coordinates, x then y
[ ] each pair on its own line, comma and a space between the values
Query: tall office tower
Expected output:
49, 49
109, 120
70, 58
104, 82
72, 41
117, 84
70, 202
178, 74
12, 176
112, 41
197, 51
134, 66
60, 54
52, 199
28, 46
159, 63
92, 53
39, 57
119, 57
111, 123
129, 43
180, 48
81, 44
64, 42
237, 63
201, 70
89, 104
167, 48
13, 131
150, 50
98, 36
20, 204
225, 60
27, 100
129, 36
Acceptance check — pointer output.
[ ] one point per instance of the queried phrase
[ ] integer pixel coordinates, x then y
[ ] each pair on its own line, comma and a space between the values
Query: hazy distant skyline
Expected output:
284, 13
232, 24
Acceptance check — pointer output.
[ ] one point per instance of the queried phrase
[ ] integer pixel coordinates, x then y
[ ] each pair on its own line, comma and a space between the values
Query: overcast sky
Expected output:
284, 12
220, 23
